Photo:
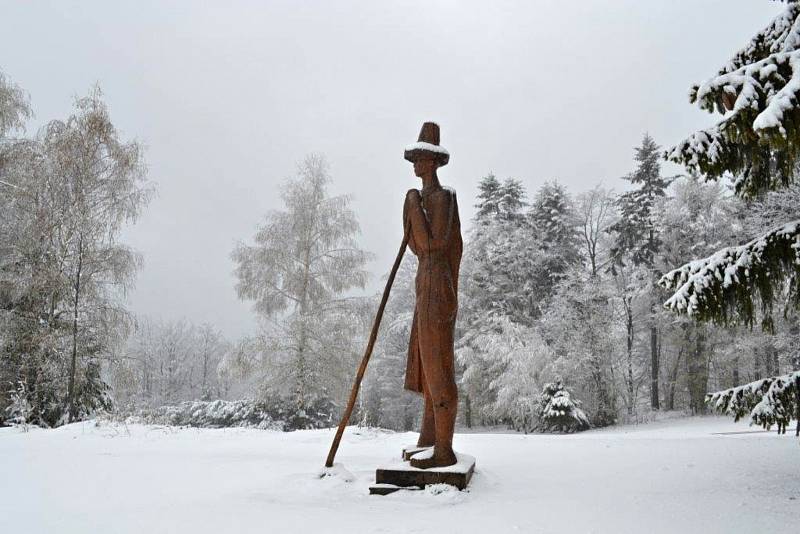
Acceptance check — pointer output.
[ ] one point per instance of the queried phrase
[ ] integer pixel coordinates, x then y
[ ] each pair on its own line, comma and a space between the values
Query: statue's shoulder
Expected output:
451, 196
446, 193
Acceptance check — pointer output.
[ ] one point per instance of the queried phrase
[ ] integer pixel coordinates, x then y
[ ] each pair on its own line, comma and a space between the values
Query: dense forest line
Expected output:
559, 294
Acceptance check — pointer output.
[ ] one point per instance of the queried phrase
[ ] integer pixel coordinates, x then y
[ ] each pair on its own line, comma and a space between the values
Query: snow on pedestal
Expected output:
399, 474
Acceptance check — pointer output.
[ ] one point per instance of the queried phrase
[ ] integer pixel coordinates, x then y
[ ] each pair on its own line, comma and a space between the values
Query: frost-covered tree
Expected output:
386, 403
583, 327
15, 109
631, 289
501, 372
73, 189
166, 362
636, 235
596, 214
498, 266
103, 188
499, 200
695, 219
489, 193
554, 235
297, 273
554, 220
559, 412
242, 372
758, 141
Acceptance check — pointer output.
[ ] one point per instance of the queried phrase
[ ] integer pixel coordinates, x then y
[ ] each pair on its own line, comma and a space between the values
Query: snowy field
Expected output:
673, 476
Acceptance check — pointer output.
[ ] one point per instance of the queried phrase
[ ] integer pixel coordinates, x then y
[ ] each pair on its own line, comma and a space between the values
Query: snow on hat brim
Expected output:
415, 151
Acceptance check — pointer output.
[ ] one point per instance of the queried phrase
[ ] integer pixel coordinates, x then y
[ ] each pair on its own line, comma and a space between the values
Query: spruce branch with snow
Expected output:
757, 93
769, 401
729, 284
758, 140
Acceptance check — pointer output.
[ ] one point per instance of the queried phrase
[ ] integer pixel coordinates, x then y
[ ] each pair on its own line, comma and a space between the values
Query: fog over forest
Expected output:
228, 99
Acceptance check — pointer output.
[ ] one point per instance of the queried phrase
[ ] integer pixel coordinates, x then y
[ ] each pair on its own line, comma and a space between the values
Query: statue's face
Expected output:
425, 166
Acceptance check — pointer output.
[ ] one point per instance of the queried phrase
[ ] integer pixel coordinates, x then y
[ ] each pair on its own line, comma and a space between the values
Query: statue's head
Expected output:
425, 166
426, 154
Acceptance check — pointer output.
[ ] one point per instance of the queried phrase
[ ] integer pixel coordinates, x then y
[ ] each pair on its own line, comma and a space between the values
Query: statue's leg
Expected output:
436, 351
427, 434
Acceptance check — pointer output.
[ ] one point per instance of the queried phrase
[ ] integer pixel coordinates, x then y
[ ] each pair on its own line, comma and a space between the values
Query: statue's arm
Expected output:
407, 224
429, 234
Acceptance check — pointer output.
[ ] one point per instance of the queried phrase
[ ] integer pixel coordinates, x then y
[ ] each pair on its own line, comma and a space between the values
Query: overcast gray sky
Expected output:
228, 96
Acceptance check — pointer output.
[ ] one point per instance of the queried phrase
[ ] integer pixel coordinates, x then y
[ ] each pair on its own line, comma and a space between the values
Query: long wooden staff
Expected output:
367, 353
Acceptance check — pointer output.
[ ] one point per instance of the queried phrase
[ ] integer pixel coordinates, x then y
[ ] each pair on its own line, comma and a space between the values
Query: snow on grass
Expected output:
680, 475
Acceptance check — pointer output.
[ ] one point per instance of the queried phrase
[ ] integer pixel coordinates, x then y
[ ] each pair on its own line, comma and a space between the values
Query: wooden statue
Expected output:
434, 236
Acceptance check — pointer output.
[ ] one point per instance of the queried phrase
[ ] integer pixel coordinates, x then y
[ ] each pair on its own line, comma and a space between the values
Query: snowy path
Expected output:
674, 476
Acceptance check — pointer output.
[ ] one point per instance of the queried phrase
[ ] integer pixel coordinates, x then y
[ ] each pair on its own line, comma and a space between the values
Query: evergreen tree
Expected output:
636, 233
757, 140
553, 218
637, 236
512, 199
559, 412
554, 223
499, 201
488, 206
496, 265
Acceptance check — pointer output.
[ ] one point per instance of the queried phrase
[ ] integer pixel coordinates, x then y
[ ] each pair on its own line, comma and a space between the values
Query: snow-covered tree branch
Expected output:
728, 285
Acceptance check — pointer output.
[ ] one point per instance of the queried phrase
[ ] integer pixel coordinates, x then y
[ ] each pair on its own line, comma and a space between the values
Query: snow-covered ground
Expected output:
673, 476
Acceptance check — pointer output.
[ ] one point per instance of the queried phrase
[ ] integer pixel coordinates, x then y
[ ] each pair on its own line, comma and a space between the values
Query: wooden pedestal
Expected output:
400, 475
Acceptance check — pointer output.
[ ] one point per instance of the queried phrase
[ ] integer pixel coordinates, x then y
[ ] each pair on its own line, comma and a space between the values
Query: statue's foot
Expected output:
433, 458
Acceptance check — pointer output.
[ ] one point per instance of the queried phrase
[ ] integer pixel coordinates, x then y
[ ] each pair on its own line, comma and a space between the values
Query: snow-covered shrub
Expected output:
275, 414
559, 412
19, 411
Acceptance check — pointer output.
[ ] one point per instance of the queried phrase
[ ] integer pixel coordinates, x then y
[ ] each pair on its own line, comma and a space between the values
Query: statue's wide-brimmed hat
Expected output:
427, 145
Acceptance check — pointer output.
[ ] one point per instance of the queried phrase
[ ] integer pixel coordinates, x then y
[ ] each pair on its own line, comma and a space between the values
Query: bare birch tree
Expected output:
298, 272
75, 185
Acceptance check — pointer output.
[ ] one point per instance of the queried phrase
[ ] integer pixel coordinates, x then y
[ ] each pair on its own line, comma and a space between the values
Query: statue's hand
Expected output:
413, 197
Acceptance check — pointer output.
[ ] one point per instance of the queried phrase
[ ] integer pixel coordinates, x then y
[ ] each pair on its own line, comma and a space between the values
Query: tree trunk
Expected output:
756, 365
797, 405
776, 363
204, 393
770, 360
302, 385
673, 380
654, 404
467, 411
74, 360
698, 373
629, 330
